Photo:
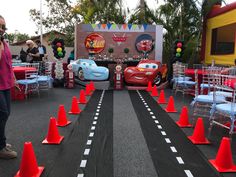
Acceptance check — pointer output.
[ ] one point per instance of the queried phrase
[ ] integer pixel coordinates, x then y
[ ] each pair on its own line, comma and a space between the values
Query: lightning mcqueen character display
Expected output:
145, 71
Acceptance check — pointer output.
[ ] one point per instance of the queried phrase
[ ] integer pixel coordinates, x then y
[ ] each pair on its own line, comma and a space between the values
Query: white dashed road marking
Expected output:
180, 160
173, 149
163, 133
83, 163
168, 140
86, 151
188, 173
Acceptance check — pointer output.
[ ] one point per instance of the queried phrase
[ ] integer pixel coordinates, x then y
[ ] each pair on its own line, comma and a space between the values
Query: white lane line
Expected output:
168, 140
80, 175
159, 127
93, 128
83, 163
94, 122
86, 151
154, 117
188, 173
99, 107
95, 118
156, 121
97, 114
145, 103
180, 160
151, 113
91, 134
89, 142
173, 149
146, 106
163, 133
148, 109
98, 110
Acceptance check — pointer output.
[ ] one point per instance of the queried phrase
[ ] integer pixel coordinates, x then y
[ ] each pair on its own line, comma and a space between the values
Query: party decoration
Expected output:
178, 49
58, 47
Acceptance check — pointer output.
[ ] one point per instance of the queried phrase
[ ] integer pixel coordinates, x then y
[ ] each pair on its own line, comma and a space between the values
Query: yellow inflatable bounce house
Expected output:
219, 35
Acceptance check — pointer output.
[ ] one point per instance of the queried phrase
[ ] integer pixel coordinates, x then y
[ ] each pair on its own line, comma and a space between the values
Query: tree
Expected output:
60, 17
16, 37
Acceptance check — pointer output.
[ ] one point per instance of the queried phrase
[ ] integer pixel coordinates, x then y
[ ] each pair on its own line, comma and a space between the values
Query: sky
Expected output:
16, 13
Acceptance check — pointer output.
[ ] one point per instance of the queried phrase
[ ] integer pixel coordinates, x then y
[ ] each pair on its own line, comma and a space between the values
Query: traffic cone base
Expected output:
58, 141
222, 170
40, 171
63, 125
170, 111
84, 102
183, 126
191, 138
75, 113
224, 160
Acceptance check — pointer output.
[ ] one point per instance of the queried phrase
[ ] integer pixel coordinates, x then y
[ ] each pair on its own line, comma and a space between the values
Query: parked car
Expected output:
86, 69
145, 71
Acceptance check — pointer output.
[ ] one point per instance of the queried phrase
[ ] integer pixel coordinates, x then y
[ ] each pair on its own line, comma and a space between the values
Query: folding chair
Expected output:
223, 114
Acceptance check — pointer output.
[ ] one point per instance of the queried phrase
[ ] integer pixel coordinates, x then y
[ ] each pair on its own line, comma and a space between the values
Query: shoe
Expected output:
7, 153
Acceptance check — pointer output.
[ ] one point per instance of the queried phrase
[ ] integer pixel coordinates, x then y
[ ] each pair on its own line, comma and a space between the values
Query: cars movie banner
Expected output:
98, 38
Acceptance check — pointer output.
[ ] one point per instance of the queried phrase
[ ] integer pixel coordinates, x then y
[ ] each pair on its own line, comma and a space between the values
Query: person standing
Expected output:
6, 82
32, 52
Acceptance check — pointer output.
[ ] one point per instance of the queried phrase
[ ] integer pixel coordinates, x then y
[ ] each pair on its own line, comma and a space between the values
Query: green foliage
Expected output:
16, 37
110, 50
126, 50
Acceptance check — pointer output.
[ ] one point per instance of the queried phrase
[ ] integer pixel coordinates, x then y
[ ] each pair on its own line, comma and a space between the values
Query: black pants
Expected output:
5, 99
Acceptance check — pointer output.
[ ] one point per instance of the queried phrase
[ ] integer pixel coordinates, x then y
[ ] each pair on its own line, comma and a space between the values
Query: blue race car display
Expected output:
86, 69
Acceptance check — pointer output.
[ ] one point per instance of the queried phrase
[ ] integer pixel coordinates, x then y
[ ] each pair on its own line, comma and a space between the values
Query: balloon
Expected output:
179, 44
59, 49
178, 50
58, 44
177, 54
60, 54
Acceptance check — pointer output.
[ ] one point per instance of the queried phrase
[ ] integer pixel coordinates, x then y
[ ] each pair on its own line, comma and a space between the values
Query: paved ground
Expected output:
115, 135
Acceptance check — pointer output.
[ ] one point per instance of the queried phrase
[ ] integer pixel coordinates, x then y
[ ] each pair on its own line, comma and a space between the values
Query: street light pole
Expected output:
41, 24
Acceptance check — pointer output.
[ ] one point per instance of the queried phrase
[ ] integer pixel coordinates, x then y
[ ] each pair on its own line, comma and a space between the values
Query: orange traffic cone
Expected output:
92, 87
149, 87
74, 106
171, 105
53, 136
198, 136
183, 118
162, 99
61, 117
29, 166
82, 97
224, 161
154, 91
88, 90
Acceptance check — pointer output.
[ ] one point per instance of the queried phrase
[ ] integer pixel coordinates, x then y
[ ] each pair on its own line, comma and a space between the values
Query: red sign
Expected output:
94, 43
119, 38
